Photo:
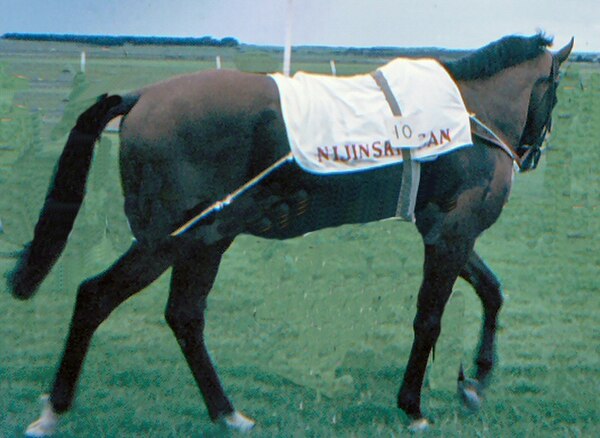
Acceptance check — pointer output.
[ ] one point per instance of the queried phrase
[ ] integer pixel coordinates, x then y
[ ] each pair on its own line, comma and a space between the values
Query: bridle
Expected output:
530, 154
526, 156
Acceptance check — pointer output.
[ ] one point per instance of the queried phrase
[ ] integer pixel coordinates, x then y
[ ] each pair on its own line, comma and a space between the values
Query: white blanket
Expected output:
343, 124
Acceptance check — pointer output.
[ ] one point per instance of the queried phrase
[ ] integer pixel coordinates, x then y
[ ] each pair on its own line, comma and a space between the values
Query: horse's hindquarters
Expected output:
190, 142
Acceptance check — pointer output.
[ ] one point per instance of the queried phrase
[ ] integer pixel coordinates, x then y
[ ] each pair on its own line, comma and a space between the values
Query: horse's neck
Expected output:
501, 101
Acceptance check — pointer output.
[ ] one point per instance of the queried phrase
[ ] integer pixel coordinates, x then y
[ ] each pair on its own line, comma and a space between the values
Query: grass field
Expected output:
310, 335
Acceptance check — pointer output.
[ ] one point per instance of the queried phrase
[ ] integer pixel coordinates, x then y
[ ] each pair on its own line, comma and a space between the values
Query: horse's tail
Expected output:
65, 195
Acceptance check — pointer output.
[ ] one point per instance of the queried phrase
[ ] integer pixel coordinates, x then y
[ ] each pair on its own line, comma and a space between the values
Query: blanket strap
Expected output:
411, 169
219, 205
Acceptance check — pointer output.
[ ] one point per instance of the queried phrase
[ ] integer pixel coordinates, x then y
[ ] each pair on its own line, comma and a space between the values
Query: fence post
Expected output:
287, 50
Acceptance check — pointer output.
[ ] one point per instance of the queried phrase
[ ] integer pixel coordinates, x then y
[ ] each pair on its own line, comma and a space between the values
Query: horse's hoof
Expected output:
45, 426
470, 394
238, 421
419, 425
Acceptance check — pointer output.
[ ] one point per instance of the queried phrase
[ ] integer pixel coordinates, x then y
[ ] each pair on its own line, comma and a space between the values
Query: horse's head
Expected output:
510, 86
541, 103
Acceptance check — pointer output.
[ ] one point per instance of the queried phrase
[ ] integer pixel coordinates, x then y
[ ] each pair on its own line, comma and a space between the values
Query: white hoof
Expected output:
45, 426
471, 399
420, 425
470, 394
238, 421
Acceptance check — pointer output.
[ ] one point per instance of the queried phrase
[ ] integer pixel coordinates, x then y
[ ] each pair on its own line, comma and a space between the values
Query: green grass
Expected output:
310, 335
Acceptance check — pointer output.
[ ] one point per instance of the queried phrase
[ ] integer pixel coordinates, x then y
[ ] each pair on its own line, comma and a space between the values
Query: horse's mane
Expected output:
498, 55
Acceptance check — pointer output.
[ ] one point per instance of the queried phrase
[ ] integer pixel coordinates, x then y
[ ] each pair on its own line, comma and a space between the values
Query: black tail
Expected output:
65, 195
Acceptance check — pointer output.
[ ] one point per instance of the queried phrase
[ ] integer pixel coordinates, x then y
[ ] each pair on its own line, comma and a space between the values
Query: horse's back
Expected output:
189, 105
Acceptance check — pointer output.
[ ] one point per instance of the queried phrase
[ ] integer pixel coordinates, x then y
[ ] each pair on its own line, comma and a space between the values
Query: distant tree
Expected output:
229, 42
110, 40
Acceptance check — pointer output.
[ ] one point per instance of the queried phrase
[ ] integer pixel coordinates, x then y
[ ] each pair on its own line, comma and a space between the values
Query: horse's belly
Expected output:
337, 200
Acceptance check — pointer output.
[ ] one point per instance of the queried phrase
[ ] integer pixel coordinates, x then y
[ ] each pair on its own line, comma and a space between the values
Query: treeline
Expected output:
109, 40
585, 57
410, 52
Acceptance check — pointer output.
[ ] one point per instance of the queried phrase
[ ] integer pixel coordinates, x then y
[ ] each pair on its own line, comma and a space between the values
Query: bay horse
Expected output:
191, 140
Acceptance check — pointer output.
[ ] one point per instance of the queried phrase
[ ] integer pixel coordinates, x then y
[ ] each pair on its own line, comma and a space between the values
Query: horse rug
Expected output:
345, 124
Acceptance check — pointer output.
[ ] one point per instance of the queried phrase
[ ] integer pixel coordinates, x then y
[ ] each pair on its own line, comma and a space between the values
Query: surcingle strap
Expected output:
411, 169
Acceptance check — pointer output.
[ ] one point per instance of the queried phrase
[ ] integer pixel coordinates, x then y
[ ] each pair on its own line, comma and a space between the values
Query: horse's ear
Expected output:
563, 54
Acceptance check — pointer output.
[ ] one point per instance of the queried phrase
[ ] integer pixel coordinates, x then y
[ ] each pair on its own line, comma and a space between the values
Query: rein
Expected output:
491, 137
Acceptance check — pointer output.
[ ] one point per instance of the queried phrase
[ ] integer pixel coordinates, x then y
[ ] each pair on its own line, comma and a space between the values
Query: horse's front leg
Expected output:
193, 276
443, 261
487, 287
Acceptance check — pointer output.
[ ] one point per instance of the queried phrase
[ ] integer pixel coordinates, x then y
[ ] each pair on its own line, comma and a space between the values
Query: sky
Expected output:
453, 24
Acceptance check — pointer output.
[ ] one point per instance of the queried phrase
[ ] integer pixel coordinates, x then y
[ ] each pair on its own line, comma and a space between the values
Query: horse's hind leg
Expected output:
487, 287
193, 276
97, 297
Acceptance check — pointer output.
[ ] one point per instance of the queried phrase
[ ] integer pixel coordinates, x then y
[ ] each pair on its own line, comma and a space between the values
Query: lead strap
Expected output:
411, 169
